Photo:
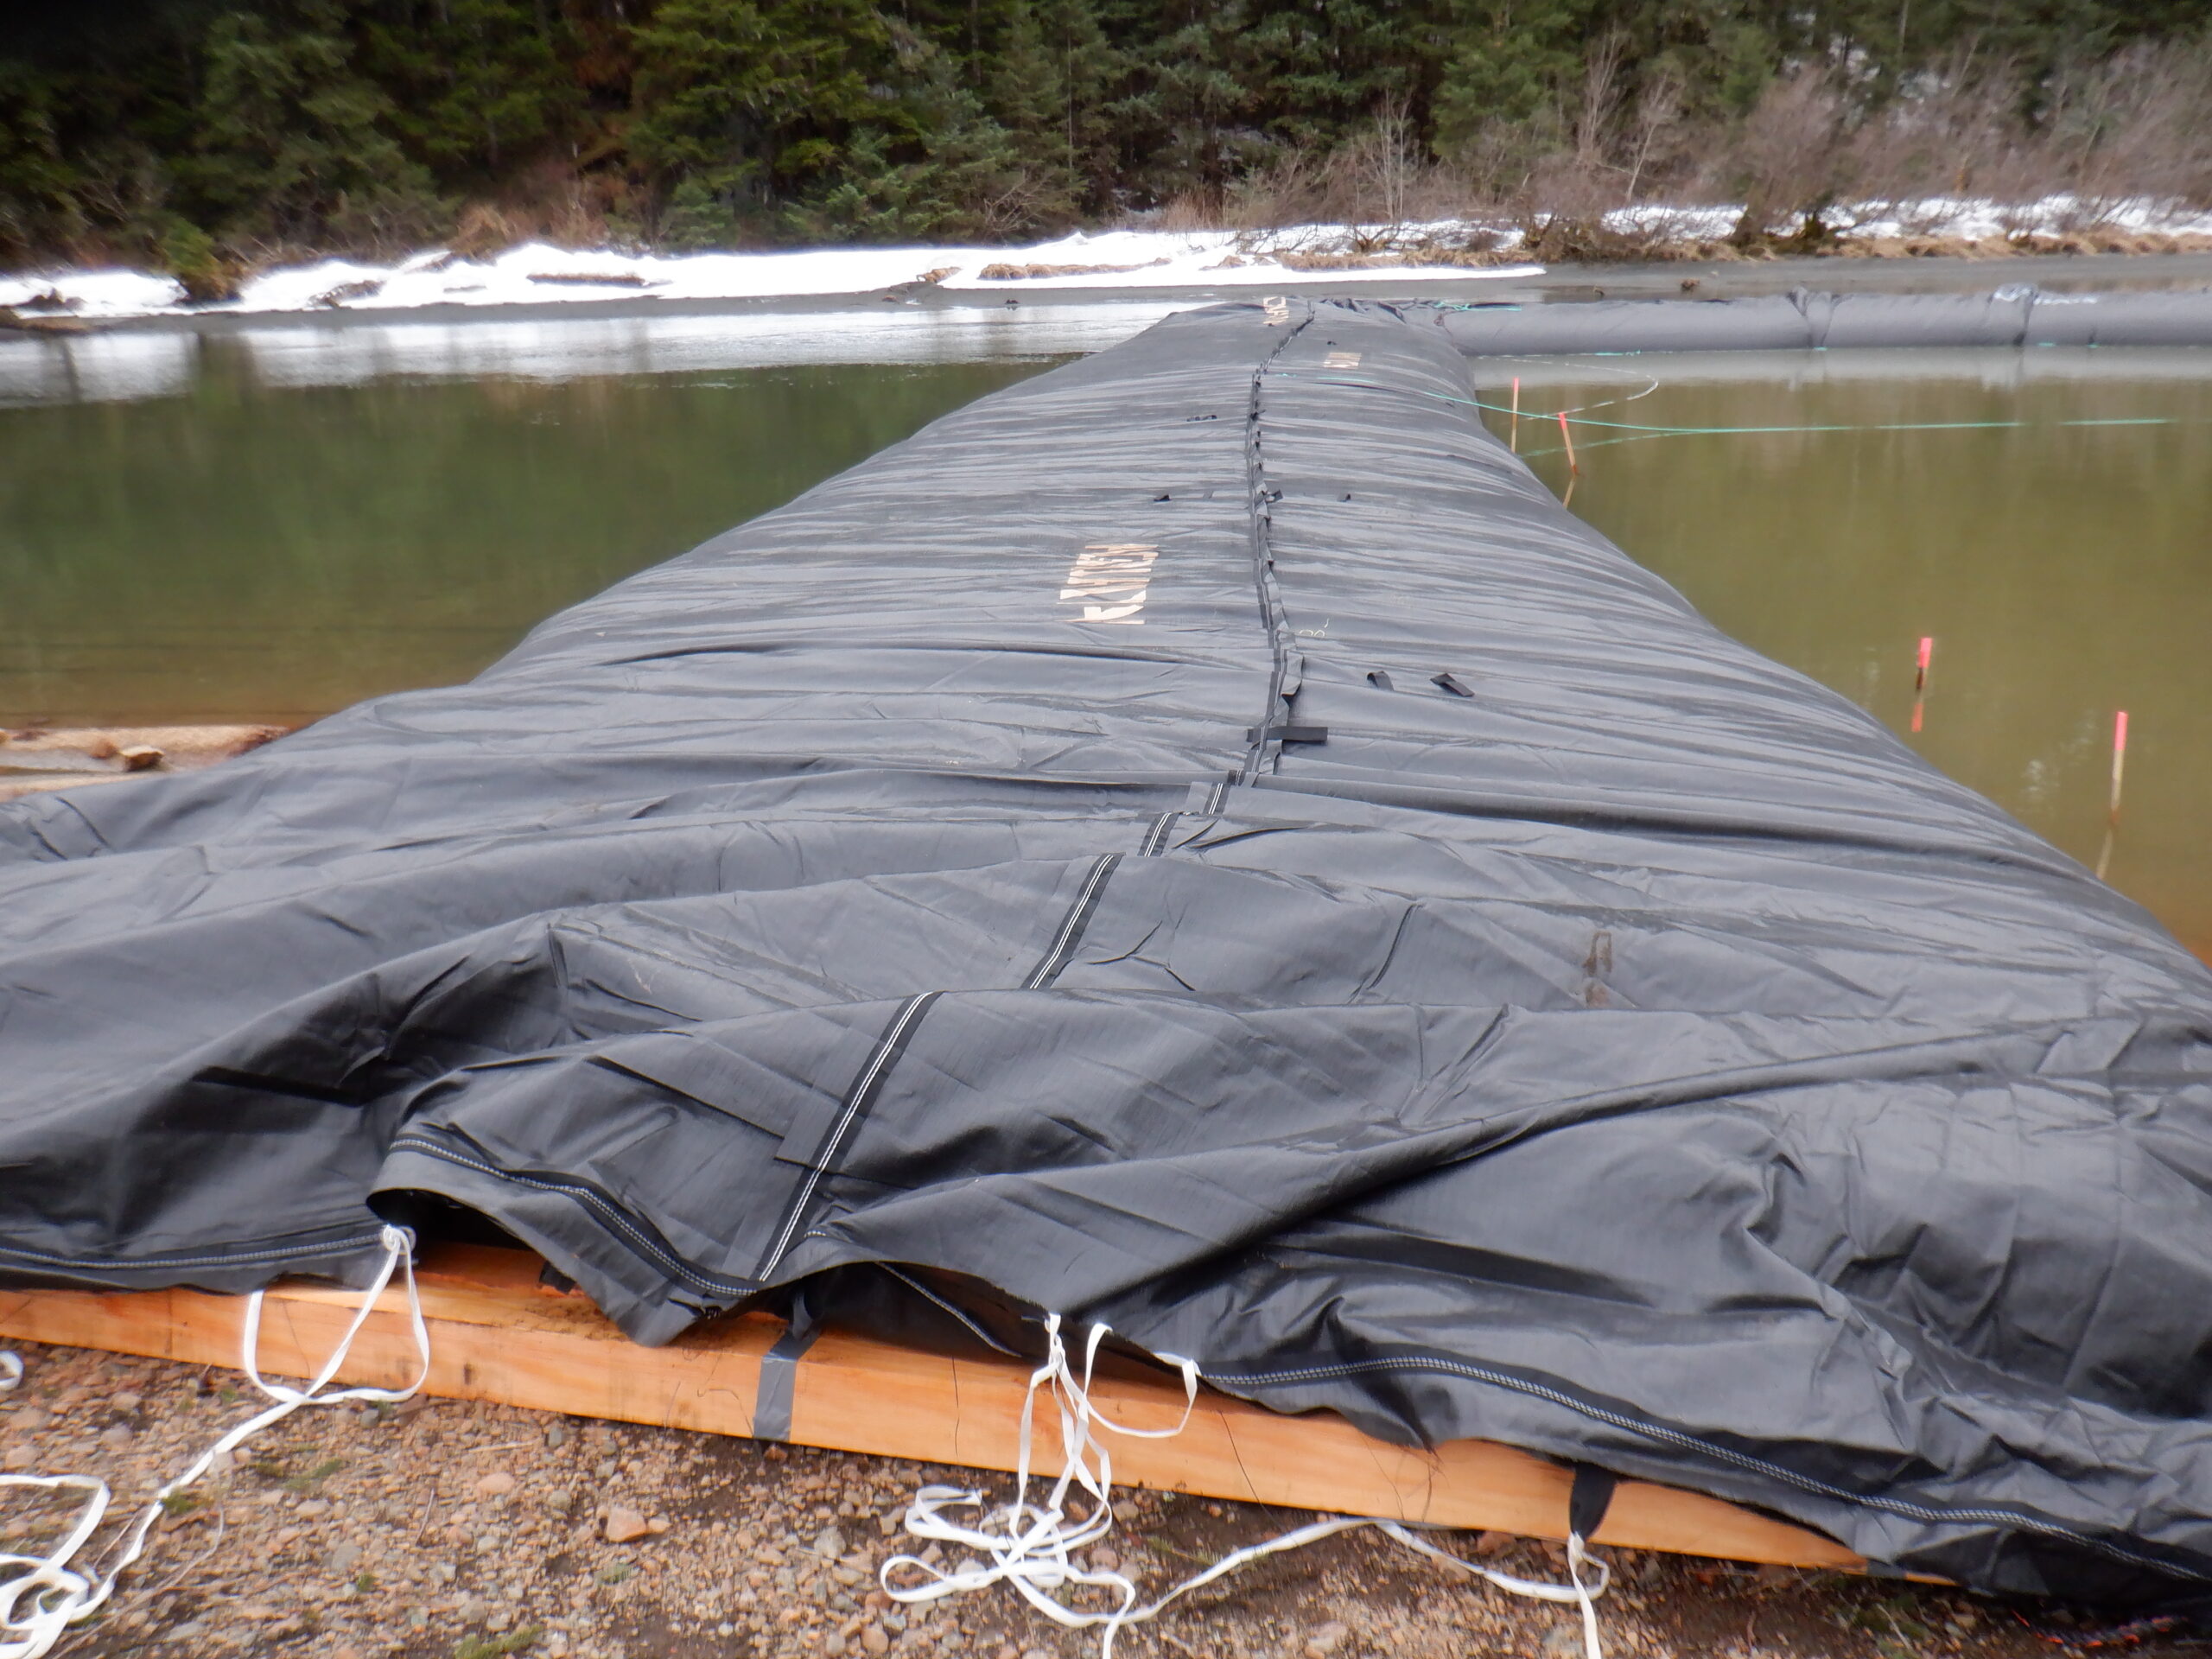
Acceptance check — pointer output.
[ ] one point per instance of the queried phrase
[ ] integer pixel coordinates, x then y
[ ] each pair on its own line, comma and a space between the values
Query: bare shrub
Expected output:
1386, 164
1497, 162
483, 232
2135, 127
1561, 208
550, 203
1195, 211
1785, 163
1563, 199
1379, 180
2061, 162
1289, 188
1601, 97
1657, 138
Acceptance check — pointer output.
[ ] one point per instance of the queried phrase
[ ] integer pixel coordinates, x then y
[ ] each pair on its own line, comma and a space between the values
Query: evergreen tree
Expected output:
935, 164
1185, 113
201, 130
1325, 67
475, 87
295, 144
1049, 82
38, 185
746, 106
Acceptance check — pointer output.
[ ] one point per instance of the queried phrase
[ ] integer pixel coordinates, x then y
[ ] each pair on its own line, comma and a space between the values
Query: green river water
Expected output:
216, 530
2063, 571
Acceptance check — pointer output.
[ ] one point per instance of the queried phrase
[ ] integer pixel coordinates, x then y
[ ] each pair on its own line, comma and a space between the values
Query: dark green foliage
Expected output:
475, 86
1512, 64
751, 102
202, 134
294, 143
768, 119
37, 183
191, 256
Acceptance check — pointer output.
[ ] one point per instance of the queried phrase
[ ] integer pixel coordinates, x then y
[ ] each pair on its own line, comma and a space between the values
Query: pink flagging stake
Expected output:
1572, 465
1513, 441
2118, 756
1920, 669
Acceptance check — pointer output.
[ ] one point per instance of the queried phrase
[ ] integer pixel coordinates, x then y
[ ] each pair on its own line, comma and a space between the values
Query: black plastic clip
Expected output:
1288, 734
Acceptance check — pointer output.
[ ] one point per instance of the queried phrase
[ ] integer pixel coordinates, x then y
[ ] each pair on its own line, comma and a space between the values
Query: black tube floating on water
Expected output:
2018, 315
1649, 1061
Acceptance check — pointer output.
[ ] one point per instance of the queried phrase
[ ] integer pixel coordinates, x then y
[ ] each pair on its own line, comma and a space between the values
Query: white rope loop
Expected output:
1574, 1592
38, 1605
1029, 1545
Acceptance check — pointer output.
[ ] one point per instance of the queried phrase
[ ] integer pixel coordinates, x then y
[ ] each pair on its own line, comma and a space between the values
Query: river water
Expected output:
268, 526
2063, 570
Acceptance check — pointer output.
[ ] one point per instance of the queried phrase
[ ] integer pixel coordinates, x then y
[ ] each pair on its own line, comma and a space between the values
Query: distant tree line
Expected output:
199, 131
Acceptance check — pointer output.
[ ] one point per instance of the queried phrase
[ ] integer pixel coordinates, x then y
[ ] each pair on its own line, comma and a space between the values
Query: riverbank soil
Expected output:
445, 1529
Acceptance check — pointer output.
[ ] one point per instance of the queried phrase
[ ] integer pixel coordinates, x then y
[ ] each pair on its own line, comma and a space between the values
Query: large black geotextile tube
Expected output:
1805, 320
1199, 842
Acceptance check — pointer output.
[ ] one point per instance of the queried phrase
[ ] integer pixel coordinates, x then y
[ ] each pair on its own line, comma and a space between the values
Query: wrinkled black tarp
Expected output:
1046, 858
2018, 316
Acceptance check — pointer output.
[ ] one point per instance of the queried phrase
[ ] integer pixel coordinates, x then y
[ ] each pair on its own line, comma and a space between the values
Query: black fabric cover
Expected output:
1044, 860
2020, 315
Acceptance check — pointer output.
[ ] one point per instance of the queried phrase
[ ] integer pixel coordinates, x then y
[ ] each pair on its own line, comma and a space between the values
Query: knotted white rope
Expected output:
38, 1604
1029, 1545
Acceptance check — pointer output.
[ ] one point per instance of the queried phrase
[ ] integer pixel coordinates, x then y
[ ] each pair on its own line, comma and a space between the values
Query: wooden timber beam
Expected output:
497, 1335
34, 761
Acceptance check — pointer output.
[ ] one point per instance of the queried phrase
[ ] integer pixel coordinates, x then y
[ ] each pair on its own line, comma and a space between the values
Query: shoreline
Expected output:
1728, 278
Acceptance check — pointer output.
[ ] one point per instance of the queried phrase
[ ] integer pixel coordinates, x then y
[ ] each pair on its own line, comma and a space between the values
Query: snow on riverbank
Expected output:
535, 274
1952, 218
93, 293
1331, 255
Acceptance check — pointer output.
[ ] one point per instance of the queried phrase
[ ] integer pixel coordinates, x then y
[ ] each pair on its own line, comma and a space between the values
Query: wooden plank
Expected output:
32, 761
496, 1335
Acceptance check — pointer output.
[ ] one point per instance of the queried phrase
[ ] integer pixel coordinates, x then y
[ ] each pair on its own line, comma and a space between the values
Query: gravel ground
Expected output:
444, 1530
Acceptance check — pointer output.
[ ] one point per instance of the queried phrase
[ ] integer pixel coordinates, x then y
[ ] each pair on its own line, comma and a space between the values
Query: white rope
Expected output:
1029, 1545
38, 1604
1584, 1596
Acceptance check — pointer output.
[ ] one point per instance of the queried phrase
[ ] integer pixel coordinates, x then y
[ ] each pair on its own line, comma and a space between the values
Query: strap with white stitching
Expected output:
41, 1602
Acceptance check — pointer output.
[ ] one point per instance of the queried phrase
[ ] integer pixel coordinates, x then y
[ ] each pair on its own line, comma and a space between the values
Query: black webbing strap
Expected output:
1592, 1495
772, 1401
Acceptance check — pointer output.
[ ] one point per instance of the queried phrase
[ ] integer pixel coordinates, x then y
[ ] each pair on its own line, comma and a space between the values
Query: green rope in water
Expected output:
1643, 434
1643, 430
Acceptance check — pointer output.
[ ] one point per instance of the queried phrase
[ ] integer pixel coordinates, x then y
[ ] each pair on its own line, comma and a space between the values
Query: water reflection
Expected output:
104, 367
248, 552
95, 368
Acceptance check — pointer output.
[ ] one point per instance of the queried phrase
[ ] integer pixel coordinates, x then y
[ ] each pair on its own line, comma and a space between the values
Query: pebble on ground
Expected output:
446, 1530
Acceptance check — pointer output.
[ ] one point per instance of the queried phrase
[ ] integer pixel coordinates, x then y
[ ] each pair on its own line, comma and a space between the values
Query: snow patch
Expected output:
1332, 255
1975, 217
536, 274
96, 293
